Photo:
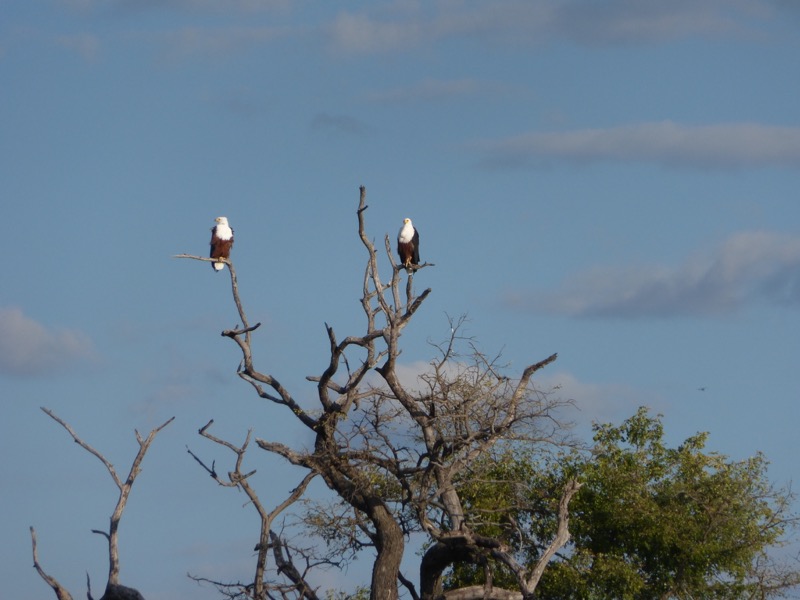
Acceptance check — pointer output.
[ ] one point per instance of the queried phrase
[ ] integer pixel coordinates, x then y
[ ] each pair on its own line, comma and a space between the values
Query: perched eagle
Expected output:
408, 245
221, 241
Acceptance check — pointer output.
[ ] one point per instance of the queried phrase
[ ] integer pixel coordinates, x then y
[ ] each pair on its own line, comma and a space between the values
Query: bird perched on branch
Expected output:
221, 241
408, 245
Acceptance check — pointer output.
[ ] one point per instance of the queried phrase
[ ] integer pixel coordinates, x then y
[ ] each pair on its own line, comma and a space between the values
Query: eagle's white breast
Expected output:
223, 231
406, 233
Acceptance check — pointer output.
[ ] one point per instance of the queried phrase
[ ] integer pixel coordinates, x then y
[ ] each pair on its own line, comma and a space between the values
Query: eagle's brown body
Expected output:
408, 245
221, 242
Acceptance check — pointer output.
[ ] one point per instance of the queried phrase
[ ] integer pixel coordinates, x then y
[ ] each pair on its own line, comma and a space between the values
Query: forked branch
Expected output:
237, 478
562, 533
124, 488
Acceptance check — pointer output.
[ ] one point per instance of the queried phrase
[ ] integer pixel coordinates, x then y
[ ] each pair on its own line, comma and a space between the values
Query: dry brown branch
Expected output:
246, 329
60, 591
397, 269
203, 258
124, 488
237, 478
286, 566
242, 337
84, 445
562, 534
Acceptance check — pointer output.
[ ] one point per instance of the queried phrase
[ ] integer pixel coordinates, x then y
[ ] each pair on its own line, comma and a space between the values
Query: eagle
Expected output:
221, 241
408, 245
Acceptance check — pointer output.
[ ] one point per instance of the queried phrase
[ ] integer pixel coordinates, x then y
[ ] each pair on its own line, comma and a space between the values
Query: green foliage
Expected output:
508, 495
655, 522
361, 593
649, 522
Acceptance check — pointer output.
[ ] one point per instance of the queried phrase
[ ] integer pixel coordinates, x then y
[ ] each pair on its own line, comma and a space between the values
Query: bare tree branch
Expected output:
562, 534
85, 446
124, 488
393, 456
60, 591
237, 478
286, 566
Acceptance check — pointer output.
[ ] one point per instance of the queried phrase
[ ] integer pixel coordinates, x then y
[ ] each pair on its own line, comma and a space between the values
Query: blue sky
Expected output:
616, 182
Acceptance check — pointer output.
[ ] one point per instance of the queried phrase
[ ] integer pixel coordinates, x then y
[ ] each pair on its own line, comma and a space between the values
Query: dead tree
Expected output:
268, 539
114, 590
393, 455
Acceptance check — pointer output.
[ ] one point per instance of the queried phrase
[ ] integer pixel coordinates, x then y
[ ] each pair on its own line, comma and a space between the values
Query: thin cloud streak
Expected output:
637, 21
217, 42
246, 6
521, 21
593, 402
748, 267
390, 27
29, 349
382, 31
725, 146
426, 90
596, 402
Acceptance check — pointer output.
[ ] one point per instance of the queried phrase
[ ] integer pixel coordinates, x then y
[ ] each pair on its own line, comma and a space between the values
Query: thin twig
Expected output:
85, 446
238, 479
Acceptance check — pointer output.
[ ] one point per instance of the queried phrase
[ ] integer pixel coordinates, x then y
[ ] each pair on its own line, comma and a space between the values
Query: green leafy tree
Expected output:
660, 522
649, 522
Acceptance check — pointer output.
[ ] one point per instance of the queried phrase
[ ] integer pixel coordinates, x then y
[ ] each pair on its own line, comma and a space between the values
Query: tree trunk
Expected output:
390, 546
435, 560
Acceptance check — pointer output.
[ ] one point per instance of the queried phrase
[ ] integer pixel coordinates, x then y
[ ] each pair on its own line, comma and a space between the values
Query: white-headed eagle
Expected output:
221, 241
408, 245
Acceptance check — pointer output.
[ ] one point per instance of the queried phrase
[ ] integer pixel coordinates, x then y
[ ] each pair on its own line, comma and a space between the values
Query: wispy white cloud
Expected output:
596, 402
649, 21
415, 376
725, 146
390, 26
747, 267
29, 349
585, 402
216, 42
388, 30
358, 33
383, 28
